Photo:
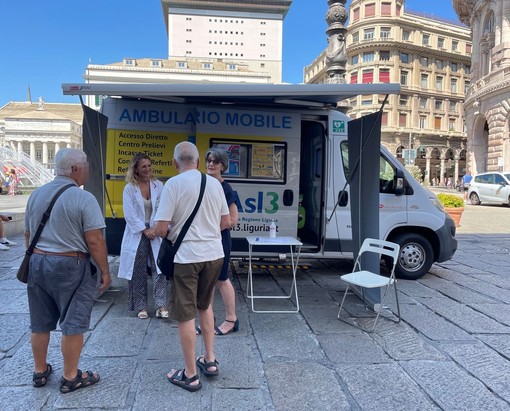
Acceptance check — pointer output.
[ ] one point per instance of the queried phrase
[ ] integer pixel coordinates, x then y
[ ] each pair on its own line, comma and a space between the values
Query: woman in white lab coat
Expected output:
140, 245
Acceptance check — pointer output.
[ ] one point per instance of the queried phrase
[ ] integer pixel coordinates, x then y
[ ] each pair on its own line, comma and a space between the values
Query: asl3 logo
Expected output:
260, 204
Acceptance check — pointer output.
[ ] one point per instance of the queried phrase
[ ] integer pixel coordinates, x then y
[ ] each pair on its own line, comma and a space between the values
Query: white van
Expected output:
289, 163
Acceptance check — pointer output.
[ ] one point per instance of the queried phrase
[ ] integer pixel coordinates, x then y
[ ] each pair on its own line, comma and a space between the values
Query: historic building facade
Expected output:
208, 41
430, 58
487, 105
39, 130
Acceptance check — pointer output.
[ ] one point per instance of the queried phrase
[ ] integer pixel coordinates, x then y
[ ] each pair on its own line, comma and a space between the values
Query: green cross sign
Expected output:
338, 126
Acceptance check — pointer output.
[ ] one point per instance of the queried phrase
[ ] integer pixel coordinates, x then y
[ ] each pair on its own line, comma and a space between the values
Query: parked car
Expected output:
491, 187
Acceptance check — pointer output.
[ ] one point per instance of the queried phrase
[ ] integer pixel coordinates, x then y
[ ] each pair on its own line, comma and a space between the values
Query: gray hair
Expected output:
66, 158
218, 154
186, 153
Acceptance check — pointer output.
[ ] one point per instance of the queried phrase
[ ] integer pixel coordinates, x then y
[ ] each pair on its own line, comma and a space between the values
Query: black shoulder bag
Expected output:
168, 250
22, 273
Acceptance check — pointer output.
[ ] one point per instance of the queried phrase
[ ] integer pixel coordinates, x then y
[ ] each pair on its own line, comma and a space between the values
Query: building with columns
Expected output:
431, 59
487, 104
222, 41
40, 129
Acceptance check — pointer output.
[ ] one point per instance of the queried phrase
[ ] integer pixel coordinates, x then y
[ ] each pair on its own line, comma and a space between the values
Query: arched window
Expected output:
489, 23
399, 152
487, 43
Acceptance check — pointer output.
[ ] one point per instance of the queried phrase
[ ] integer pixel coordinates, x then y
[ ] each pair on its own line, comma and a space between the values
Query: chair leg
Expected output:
396, 299
343, 300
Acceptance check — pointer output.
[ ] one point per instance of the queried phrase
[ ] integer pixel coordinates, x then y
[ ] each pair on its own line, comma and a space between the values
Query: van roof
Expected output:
308, 95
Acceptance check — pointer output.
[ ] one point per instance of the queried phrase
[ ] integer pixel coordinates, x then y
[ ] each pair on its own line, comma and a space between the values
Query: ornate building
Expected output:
430, 58
487, 105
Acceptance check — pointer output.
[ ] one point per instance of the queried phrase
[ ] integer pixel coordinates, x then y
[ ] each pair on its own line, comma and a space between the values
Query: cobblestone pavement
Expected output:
450, 352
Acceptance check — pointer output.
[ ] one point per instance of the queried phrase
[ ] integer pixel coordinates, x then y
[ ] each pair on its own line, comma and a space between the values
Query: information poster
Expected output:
263, 160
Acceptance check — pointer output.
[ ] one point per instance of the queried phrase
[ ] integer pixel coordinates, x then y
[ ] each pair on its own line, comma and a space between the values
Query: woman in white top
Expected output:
140, 245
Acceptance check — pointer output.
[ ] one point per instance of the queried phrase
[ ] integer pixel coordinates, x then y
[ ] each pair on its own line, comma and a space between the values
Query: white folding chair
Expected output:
367, 279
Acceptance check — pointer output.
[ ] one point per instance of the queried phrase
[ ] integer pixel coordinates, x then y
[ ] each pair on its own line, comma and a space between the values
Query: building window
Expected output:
354, 78
385, 32
38, 155
403, 77
207, 66
438, 104
369, 10
366, 101
402, 120
454, 67
452, 106
355, 14
453, 85
439, 64
439, 83
232, 66
368, 76
424, 61
355, 37
406, 35
368, 56
368, 34
467, 69
386, 9
384, 75
451, 124
425, 39
455, 45
423, 102
468, 48
423, 122
182, 64
404, 58
384, 55
403, 101
354, 60
440, 42
437, 123
425, 81
129, 62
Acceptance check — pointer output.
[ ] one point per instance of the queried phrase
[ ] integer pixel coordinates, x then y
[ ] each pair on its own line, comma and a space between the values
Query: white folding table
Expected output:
294, 247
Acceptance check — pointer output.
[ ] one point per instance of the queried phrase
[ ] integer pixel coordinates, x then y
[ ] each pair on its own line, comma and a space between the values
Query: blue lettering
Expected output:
238, 202
139, 116
125, 115
261, 200
232, 119
286, 122
250, 205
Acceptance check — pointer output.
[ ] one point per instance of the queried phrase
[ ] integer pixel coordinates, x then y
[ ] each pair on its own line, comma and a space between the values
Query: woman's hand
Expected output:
149, 233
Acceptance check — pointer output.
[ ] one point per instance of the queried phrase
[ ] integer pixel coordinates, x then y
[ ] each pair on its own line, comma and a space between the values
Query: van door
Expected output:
311, 185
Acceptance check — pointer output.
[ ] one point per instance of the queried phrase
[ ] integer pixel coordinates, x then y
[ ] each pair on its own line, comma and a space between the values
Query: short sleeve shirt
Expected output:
203, 239
75, 212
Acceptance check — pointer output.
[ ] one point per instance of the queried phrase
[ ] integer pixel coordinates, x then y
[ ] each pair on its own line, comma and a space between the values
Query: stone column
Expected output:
57, 147
32, 151
428, 152
336, 56
45, 153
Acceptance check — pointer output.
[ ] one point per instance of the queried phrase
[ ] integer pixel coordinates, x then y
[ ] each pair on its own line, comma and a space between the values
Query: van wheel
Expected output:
475, 200
416, 256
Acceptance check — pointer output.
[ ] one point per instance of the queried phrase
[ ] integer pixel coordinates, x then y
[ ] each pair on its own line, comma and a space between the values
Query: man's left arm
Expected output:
97, 249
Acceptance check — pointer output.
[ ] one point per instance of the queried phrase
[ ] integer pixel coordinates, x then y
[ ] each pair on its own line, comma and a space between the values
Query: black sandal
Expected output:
78, 382
204, 367
179, 378
41, 378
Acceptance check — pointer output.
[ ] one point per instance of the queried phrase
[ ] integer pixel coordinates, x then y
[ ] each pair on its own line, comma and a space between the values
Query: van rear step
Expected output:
272, 265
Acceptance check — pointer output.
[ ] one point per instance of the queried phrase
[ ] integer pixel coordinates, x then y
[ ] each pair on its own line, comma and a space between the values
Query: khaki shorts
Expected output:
192, 288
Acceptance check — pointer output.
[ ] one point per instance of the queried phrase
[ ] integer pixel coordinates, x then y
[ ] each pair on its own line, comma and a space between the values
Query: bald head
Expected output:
186, 156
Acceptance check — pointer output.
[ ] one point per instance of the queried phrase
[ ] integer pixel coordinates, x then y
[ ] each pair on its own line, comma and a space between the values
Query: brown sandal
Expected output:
41, 378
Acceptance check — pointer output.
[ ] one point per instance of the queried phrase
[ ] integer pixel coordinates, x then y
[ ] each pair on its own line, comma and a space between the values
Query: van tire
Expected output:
416, 256
475, 200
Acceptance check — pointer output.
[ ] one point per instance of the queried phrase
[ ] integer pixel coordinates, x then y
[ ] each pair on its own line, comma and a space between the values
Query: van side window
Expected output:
386, 170
254, 161
499, 180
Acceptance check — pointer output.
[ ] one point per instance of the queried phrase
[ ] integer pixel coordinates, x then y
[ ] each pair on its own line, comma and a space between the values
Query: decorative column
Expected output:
428, 155
32, 151
45, 153
57, 147
336, 56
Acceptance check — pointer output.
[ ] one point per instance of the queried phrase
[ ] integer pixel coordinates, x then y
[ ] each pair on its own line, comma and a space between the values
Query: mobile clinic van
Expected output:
289, 163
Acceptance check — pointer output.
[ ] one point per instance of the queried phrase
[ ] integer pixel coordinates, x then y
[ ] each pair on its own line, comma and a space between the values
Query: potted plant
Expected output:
453, 205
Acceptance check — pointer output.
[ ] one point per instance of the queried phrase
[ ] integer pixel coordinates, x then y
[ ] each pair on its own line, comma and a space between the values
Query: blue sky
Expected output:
47, 43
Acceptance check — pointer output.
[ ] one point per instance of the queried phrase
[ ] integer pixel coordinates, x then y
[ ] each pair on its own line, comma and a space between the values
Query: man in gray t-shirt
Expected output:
61, 285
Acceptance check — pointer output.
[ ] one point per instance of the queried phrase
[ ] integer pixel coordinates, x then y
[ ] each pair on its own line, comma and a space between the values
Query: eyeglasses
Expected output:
215, 162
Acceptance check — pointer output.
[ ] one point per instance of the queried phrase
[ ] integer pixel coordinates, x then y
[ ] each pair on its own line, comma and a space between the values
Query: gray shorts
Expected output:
60, 289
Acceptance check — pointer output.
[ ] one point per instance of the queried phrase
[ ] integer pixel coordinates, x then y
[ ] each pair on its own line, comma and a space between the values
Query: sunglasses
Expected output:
215, 162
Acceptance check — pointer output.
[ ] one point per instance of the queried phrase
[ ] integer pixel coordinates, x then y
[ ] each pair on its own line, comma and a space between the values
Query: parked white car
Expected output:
491, 187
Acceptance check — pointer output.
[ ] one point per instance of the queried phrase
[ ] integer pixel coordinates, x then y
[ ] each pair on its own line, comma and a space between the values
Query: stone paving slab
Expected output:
500, 343
484, 364
305, 386
455, 291
21, 398
499, 312
14, 328
451, 387
352, 348
465, 317
383, 387
430, 324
